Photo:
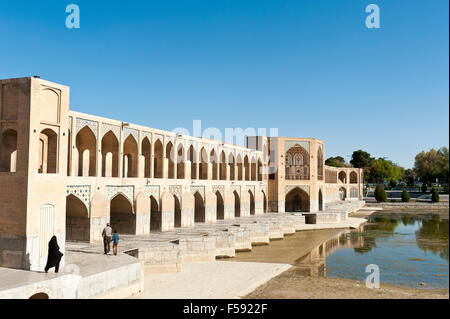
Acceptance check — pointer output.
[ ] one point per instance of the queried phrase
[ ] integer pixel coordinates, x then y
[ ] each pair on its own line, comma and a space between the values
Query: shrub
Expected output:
405, 196
434, 195
380, 193
424, 188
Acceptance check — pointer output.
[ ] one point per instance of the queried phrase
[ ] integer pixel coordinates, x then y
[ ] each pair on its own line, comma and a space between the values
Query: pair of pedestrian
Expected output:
108, 237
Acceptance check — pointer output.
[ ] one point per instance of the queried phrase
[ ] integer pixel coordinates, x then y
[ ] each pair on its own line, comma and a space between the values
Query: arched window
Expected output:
110, 155
342, 177
320, 164
86, 145
180, 162
297, 163
130, 157
147, 154
158, 160
232, 166
48, 152
8, 151
192, 156
170, 155
353, 178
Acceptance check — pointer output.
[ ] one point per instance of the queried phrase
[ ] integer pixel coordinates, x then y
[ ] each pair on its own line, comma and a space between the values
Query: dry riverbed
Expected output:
289, 285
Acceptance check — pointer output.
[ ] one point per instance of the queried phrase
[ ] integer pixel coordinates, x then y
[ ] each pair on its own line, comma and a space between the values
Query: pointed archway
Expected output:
77, 220
180, 162
342, 193
158, 160
199, 210
87, 156
237, 205
155, 216
123, 220
110, 155
8, 151
320, 200
252, 203
170, 156
219, 206
177, 211
297, 200
146, 150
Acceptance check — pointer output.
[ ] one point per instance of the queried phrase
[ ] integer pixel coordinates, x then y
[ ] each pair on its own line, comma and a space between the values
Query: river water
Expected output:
410, 250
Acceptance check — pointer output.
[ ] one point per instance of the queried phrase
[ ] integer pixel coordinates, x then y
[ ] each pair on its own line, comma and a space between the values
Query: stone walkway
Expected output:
210, 280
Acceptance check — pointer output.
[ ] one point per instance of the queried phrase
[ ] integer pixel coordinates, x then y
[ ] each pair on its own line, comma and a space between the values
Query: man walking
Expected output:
107, 237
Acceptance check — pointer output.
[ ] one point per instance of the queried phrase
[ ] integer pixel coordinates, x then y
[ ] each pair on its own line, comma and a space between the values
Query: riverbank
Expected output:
289, 285
425, 211
410, 205
307, 279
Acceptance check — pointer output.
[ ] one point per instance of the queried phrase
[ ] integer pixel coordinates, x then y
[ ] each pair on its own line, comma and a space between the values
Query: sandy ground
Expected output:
210, 280
289, 285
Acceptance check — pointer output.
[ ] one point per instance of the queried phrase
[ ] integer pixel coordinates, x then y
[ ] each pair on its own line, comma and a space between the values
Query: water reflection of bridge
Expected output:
314, 263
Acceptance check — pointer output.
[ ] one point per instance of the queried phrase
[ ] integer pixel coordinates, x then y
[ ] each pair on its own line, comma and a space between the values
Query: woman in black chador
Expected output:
54, 255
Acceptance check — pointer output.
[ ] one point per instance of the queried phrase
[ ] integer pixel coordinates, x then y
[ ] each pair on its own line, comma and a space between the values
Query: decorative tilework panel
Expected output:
147, 135
128, 191
176, 190
152, 190
127, 131
91, 124
113, 128
220, 189
83, 192
302, 187
200, 189
236, 188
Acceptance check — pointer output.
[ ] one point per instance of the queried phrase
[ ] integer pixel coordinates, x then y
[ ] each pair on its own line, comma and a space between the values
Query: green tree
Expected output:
409, 177
361, 159
444, 174
382, 170
424, 188
432, 165
337, 161
434, 195
405, 196
380, 193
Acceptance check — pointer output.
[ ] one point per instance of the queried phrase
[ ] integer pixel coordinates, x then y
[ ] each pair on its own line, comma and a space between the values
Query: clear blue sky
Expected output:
309, 68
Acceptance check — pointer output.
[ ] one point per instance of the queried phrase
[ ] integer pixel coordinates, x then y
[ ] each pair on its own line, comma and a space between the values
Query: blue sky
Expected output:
309, 68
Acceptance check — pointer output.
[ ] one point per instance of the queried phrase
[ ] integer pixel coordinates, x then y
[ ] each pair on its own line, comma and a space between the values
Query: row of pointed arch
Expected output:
152, 161
123, 213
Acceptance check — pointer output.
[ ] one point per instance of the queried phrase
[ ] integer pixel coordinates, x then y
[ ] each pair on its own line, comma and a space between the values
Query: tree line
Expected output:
429, 167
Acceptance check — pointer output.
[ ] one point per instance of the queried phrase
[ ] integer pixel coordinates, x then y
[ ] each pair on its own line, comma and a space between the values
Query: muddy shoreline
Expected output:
443, 214
289, 285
